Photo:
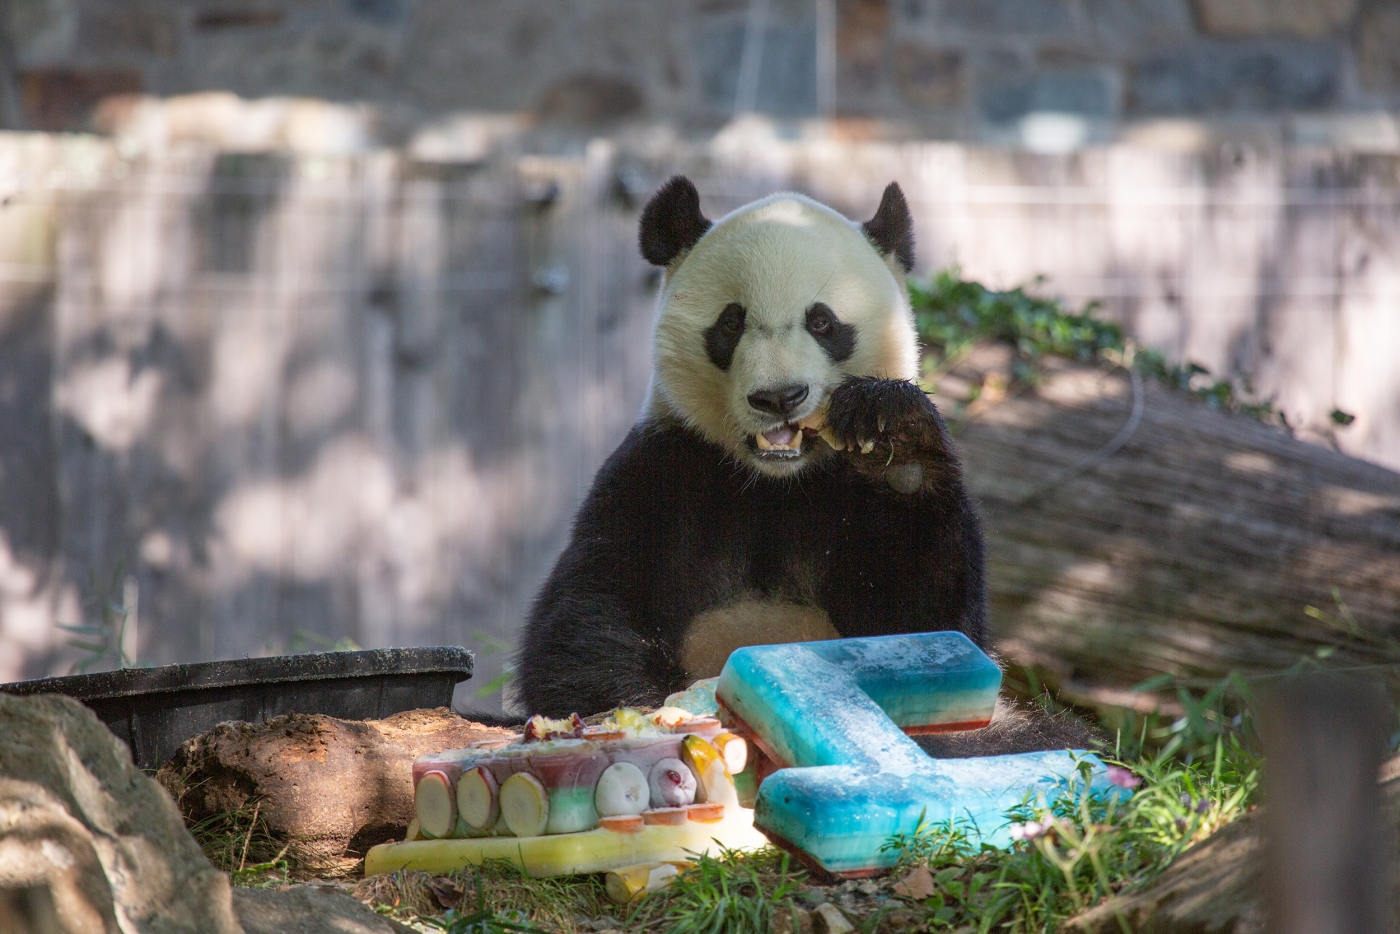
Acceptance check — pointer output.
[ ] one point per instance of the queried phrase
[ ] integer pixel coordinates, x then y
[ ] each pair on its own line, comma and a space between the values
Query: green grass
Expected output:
733, 893
1093, 845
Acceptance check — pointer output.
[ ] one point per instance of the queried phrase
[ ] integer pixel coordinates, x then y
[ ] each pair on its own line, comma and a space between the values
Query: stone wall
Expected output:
296, 398
1043, 73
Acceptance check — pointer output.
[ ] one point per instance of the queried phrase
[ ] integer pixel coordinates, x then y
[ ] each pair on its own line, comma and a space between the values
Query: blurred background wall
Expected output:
317, 316
991, 70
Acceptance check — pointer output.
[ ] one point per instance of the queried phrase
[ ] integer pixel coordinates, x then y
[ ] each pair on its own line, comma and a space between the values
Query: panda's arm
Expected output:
589, 644
913, 555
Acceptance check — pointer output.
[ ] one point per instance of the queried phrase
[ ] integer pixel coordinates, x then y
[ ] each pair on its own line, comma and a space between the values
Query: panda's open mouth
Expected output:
785, 441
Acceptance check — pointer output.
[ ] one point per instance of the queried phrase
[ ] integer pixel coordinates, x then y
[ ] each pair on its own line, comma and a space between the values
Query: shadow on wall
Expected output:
307, 400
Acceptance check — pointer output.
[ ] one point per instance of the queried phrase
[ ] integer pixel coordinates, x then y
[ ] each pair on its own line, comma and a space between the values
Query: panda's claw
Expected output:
875, 416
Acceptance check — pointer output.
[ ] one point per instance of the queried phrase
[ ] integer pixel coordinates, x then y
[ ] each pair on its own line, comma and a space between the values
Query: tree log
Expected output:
1194, 549
329, 789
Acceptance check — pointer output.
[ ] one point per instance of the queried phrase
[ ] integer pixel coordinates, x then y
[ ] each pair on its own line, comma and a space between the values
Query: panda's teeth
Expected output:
783, 438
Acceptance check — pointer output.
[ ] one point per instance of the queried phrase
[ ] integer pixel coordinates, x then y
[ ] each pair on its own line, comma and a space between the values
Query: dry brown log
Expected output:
329, 789
1193, 549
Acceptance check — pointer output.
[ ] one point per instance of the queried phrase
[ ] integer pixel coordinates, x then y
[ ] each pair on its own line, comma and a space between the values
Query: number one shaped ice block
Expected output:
834, 715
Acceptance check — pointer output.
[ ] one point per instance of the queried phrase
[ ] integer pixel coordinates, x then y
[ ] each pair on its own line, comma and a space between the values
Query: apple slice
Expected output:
524, 805
432, 799
622, 789
672, 783
715, 785
476, 798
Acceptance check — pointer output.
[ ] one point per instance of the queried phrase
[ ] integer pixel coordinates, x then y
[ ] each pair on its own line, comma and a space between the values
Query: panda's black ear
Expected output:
892, 229
671, 221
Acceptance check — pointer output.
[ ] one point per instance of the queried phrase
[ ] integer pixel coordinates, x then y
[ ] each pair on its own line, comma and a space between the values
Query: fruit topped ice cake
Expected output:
564, 776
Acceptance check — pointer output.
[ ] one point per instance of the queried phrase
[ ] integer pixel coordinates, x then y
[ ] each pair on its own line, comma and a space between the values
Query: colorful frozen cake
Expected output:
569, 797
561, 776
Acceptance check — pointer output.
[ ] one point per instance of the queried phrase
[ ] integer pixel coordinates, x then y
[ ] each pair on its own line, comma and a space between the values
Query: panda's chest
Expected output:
712, 634
760, 576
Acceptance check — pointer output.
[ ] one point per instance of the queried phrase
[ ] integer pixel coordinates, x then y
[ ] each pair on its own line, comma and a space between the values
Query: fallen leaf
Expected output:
918, 885
447, 892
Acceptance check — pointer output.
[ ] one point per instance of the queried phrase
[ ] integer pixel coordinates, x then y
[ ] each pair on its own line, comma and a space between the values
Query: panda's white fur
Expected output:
776, 257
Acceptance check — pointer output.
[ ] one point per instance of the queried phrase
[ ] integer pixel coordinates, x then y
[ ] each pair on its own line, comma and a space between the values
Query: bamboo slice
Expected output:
477, 799
630, 882
524, 805
433, 800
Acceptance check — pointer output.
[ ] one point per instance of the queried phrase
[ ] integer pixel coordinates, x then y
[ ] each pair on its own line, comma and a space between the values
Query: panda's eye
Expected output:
722, 337
834, 336
731, 322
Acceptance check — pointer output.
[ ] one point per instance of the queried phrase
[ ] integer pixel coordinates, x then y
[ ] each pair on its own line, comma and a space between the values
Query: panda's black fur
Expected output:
675, 526
670, 513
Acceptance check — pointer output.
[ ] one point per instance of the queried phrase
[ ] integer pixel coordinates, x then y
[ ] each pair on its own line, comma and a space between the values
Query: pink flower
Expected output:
1122, 777
1028, 831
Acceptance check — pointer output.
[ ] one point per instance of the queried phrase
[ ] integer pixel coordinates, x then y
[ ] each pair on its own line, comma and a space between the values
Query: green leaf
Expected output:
495, 684
87, 646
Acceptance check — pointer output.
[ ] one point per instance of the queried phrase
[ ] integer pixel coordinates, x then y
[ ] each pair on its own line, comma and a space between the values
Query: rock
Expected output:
828, 919
1296, 19
1088, 92
65, 98
929, 77
918, 884
1378, 49
1217, 76
78, 818
1043, 17
587, 100
309, 909
862, 32
330, 789
787, 74
790, 920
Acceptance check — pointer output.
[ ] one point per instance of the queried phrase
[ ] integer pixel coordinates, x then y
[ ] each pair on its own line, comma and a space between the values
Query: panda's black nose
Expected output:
779, 401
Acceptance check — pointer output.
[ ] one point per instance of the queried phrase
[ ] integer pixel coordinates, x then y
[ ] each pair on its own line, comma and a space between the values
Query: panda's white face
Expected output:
769, 311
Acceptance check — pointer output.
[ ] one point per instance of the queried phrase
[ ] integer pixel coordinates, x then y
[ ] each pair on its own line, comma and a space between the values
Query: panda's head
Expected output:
765, 311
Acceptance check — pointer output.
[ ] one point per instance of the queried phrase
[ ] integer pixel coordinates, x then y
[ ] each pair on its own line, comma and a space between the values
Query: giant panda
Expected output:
787, 480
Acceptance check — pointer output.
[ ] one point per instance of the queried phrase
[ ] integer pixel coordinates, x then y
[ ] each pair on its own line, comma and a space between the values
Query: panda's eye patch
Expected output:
837, 338
722, 337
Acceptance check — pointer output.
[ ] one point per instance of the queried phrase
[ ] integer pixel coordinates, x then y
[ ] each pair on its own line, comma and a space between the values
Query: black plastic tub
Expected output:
154, 710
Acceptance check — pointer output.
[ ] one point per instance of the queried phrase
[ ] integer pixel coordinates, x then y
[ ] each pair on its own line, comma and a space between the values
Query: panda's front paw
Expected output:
869, 414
